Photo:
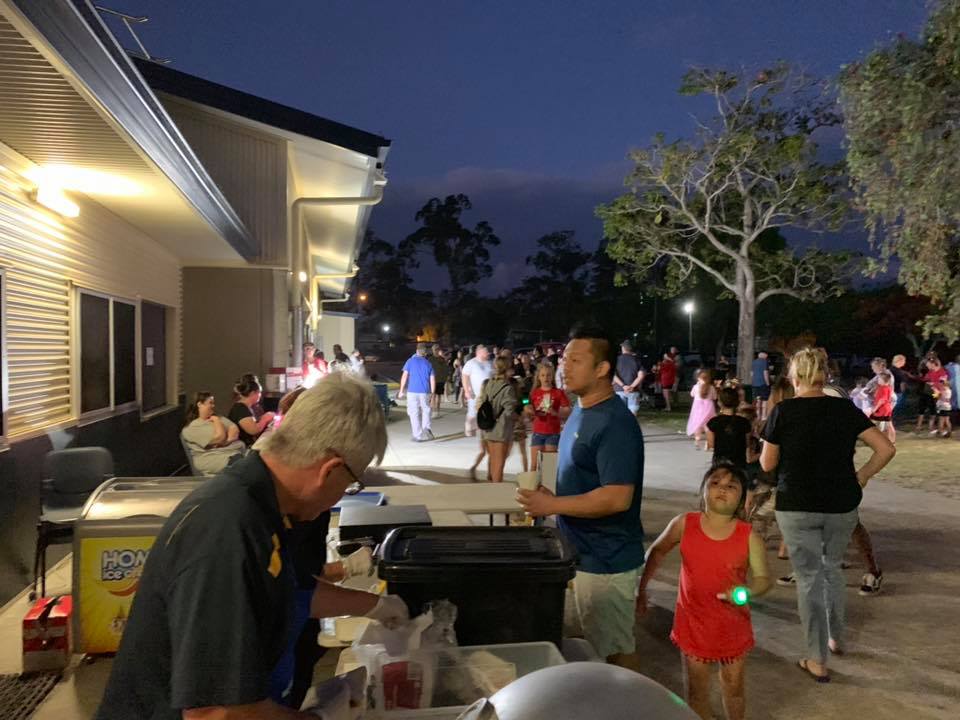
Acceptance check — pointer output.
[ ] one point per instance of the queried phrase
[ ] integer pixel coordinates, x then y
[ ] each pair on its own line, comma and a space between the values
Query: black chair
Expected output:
69, 477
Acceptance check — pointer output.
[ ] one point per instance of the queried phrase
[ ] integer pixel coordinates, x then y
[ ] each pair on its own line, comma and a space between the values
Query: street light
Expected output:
688, 309
386, 328
362, 297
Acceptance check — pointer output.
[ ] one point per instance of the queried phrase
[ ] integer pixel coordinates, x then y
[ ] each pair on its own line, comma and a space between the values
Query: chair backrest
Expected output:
186, 451
74, 473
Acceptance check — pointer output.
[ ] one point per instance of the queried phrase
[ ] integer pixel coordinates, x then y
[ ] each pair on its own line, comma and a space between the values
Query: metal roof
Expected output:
174, 82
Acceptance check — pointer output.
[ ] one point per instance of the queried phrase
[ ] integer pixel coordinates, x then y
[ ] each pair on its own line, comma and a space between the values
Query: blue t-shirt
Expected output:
600, 446
420, 371
759, 365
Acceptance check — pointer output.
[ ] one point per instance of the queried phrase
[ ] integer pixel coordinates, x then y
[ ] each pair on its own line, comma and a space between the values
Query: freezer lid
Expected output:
126, 497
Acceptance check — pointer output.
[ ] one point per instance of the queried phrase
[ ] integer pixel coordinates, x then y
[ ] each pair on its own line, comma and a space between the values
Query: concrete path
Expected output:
903, 650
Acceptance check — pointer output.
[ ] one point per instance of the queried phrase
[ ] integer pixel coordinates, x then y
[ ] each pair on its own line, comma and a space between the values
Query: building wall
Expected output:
249, 167
335, 328
44, 260
230, 316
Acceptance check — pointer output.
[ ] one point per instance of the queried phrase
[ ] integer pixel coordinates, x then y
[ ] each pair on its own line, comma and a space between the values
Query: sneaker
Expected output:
416, 439
787, 580
428, 434
870, 584
934, 432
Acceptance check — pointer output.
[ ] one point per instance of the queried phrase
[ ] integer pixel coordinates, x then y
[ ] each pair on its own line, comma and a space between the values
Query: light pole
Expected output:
688, 309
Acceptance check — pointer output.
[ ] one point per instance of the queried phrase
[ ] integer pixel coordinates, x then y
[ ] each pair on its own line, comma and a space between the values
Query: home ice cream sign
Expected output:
122, 569
107, 574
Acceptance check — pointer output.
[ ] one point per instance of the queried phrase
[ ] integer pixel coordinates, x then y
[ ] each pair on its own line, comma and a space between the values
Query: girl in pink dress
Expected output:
704, 407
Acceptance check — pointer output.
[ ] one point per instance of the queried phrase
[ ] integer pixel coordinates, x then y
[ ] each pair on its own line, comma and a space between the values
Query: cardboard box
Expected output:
46, 634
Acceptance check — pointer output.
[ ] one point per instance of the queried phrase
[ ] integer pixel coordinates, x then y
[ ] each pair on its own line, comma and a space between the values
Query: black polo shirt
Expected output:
214, 606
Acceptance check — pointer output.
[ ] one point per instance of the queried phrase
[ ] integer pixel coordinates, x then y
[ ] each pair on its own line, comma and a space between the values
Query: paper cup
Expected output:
528, 480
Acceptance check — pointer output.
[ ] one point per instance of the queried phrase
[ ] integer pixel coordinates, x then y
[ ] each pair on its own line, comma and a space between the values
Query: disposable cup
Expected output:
528, 480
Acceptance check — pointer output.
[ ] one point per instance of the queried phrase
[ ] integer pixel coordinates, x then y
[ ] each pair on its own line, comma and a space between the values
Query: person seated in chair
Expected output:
212, 440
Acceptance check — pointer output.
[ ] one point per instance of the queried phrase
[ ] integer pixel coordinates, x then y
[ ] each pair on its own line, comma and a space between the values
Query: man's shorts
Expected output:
538, 440
605, 607
761, 392
439, 389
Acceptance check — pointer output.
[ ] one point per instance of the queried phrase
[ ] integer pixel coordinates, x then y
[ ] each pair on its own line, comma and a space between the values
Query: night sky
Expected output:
529, 107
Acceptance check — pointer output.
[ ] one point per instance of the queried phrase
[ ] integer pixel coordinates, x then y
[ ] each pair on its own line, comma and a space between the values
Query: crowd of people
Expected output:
789, 445
214, 441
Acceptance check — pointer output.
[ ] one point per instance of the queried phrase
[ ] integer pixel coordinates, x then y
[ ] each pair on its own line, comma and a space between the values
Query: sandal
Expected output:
802, 664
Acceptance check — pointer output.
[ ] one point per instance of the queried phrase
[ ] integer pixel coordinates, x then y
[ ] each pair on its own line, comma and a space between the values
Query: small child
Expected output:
882, 412
716, 549
729, 434
703, 408
943, 396
861, 397
548, 407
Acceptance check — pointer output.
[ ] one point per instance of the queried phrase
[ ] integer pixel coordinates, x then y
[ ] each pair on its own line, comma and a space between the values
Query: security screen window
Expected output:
107, 353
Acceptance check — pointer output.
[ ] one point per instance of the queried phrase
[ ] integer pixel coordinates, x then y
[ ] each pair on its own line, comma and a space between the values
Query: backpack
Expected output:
486, 417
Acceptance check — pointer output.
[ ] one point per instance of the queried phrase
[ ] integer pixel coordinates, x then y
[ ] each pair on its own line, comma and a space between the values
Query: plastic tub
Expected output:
508, 583
475, 671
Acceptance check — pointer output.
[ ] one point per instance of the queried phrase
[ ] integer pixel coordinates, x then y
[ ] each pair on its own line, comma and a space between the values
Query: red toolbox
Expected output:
46, 634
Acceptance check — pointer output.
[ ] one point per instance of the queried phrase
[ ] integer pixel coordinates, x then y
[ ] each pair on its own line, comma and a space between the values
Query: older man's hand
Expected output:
537, 503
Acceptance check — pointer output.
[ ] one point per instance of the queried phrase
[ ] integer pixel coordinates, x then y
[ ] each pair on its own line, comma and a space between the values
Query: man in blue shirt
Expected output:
599, 490
419, 383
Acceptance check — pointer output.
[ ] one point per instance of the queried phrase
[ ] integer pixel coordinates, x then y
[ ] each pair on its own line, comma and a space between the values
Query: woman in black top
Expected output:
246, 411
810, 440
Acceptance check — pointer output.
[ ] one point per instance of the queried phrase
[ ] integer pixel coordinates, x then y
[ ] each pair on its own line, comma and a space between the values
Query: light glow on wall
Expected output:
53, 198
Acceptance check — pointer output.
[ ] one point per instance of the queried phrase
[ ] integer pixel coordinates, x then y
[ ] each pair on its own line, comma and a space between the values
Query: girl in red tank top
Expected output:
717, 548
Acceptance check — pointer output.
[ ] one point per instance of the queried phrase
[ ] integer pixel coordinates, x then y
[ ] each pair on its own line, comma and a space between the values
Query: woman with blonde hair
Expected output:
810, 440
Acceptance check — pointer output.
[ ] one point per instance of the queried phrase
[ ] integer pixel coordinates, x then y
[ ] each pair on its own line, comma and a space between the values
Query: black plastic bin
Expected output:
508, 583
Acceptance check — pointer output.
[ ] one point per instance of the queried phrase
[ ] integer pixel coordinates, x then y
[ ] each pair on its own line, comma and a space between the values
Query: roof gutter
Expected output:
296, 250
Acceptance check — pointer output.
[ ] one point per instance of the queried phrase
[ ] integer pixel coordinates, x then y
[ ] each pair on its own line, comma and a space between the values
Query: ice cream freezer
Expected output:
111, 541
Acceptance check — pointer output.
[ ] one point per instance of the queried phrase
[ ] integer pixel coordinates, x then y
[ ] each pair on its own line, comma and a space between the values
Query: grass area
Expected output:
923, 462
673, 421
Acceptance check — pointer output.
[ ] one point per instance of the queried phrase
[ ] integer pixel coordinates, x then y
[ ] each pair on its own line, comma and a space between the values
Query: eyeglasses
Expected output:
357, 485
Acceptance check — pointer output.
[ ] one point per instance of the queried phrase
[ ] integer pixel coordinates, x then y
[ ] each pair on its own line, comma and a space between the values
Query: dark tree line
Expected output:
566, 281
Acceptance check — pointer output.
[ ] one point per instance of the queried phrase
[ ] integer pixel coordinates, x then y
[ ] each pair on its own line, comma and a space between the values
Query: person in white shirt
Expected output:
476, 370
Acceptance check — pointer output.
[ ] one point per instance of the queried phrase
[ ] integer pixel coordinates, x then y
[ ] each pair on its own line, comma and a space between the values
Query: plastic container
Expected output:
508, 583
463, 675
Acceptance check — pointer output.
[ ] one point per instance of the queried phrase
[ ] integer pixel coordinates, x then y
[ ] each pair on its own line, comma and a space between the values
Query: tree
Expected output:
553, 295
464, 252
902, 108
705, 205
384, 278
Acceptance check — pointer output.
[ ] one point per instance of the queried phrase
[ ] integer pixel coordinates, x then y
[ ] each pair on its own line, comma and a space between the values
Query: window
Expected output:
108, 353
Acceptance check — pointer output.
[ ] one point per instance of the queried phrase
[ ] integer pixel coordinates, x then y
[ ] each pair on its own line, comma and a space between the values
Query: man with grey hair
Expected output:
419, 382
214, 607
475, 372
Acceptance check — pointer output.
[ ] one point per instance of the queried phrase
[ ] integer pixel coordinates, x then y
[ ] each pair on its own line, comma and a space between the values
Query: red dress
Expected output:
704, 627
668, 373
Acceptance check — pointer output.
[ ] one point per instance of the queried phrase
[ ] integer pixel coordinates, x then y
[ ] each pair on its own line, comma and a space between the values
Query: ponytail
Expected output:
247, 384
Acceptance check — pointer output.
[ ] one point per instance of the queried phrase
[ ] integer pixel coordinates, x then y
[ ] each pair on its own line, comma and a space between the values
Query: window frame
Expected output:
91, 416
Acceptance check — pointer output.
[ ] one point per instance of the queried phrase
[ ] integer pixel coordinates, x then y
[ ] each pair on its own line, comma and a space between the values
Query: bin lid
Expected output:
477, 548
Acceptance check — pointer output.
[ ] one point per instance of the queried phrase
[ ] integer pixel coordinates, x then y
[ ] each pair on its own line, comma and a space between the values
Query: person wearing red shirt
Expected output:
314, 366
548, 407
883, 405
933, 375
668, 378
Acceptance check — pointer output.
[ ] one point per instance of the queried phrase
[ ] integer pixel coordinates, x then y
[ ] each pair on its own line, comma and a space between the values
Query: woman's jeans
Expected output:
817, 542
